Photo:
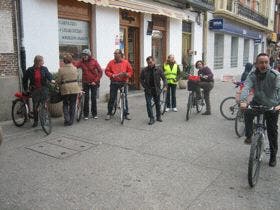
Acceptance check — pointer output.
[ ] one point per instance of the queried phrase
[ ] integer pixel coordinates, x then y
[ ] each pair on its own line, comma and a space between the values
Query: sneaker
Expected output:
152, 121
167, 109
127, 117
175, 109
35, 124
206, 113
272, 161
248, 140
108, 117
85, 118
95, 117
159, 119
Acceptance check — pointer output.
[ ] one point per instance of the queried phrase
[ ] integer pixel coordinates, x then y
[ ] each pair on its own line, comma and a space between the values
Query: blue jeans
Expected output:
156, 99
171, 88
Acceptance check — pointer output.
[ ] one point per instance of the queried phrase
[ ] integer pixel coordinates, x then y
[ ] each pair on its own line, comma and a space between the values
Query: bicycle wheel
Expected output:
19, 112
239, 125
199, 103
163, 103
45, 118
189, 106
122, 104
254, 160
79, 108
229, 108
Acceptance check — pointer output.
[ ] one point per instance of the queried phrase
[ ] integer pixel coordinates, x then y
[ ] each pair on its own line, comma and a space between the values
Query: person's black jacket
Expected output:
29, 75
158, 75
248, 68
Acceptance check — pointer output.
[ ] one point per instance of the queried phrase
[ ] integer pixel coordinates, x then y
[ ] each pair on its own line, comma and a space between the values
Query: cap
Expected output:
86, 52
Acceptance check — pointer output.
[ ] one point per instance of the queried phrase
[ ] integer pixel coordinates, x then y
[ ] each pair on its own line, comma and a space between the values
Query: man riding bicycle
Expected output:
119, 71
266, 84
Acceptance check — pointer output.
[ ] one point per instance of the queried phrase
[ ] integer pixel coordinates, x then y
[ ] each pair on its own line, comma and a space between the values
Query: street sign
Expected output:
217, 23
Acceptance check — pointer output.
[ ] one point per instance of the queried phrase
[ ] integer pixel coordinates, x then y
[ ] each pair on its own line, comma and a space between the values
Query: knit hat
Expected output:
86, 52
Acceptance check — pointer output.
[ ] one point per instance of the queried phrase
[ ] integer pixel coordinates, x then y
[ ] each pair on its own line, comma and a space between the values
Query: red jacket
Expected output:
92, 71
114, 68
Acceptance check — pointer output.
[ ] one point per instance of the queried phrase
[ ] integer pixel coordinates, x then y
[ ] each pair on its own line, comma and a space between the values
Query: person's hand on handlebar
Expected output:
243, 105
277, 108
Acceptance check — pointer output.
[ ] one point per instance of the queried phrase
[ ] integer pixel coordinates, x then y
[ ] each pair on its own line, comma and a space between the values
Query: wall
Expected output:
146, 40
9, 83
40, 23
107, 28
174, 39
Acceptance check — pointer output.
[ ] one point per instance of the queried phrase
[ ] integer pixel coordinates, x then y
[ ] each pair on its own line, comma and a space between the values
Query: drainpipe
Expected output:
20, 40
205, 35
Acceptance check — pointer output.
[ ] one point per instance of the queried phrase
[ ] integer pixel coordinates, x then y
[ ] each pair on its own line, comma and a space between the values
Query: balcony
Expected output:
201, 4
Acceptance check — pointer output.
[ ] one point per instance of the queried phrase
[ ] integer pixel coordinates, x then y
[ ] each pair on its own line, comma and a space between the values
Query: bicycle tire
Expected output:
45, 118
239, 125
189, 106
163, 103
122, 104
79, 111
19, 112
229, 108
254, 160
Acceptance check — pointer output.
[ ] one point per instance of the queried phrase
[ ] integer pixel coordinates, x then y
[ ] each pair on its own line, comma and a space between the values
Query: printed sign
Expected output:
73, 32
216, 24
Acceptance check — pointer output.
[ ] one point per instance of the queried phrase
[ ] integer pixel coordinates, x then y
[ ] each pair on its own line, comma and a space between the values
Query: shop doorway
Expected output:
129, 44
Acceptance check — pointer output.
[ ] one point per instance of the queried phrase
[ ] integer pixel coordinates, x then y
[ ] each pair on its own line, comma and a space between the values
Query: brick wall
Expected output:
9, 61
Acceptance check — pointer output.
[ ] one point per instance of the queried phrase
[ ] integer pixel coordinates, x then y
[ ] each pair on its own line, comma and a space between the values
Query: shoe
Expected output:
159, 119
66, 123
206, 113
175, 109
248, 140
272, 161
152, 121
35, 124
167, 109
95, 117
108, 117
127, 117
85, 118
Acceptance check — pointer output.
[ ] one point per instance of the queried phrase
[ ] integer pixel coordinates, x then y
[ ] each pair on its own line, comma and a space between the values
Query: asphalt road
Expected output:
98, 164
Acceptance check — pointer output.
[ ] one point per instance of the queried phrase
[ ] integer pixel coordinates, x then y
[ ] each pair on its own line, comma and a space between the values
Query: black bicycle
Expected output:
257, 149
194, 103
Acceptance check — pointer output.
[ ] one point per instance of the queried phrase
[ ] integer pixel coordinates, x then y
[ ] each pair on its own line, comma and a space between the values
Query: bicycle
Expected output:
80, 105
257, 146
21, 112
120, 103
162, 102
229, 107
193, 102
239, 124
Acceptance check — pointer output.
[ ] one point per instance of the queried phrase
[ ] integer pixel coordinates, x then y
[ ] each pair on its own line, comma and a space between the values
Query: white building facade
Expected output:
139, 28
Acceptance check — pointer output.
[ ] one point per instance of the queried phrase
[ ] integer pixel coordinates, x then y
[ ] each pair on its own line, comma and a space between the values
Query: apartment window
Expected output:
219, 51
230, 5
234, 52
246, 51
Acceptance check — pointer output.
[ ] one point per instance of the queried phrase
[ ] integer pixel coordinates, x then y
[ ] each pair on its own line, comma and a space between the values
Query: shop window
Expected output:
219, 51
234, 52
246, 51
73, 37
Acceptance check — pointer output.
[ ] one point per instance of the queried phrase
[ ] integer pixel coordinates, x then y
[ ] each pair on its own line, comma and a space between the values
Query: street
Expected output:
98, 164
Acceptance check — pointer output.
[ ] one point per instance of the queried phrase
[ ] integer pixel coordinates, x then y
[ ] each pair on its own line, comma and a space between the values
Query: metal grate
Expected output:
218, 62
233, 61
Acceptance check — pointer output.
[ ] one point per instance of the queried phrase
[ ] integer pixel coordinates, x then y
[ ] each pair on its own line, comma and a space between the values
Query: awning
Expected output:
142, 6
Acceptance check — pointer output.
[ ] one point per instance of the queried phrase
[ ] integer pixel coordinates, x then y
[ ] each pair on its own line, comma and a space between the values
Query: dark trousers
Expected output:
271, 125
207, 87
69, 107
93, 92
113, 96
156, 98
38, 95
171, 91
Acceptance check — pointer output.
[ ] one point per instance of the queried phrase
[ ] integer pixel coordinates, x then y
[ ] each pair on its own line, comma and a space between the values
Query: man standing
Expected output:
172, 73
92, 74
150, 80
119, 71
266, 85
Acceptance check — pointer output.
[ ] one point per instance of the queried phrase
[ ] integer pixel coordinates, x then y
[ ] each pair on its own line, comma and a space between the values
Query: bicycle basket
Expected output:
194, 78
55, 95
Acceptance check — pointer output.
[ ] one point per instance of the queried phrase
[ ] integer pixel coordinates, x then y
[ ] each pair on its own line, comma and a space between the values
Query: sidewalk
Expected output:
98, 164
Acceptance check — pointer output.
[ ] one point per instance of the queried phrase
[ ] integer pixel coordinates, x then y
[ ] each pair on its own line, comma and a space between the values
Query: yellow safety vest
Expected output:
170, 74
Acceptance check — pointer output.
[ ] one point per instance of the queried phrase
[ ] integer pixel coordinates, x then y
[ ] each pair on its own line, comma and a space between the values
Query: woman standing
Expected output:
69, 88
38, 77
